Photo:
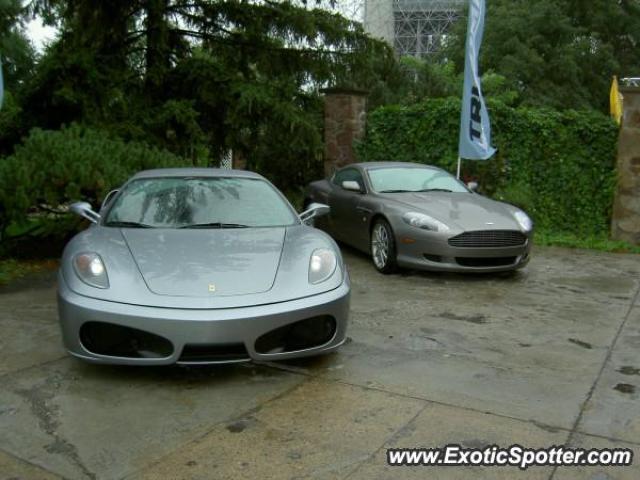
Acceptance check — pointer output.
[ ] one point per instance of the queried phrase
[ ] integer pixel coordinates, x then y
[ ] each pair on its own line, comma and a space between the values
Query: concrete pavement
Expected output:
548, 356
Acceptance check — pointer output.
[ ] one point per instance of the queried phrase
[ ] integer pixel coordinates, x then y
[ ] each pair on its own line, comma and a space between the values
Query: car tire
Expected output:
383, 247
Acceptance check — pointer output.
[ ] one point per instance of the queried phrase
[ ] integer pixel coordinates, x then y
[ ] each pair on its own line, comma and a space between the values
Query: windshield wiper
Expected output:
435, 190
215, 225
418, 191
127, 224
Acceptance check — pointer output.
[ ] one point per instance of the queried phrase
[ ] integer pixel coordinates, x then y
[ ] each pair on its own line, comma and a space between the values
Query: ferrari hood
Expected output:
463, 210
206, 262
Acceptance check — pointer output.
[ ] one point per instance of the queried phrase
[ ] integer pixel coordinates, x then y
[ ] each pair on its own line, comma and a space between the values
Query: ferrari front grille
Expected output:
113, 340
489, 239
301, 335
210, 352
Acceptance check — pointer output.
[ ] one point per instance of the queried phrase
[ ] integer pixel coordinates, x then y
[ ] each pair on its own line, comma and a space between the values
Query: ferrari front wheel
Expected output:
383, 247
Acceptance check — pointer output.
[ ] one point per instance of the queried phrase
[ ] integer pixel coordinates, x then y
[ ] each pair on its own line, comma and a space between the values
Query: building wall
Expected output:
378, 19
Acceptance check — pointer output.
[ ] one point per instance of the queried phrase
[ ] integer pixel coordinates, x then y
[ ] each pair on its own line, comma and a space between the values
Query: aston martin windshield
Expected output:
206, 202
406, 179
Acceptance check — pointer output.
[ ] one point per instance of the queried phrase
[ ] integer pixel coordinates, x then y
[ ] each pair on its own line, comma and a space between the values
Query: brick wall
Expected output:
344, 123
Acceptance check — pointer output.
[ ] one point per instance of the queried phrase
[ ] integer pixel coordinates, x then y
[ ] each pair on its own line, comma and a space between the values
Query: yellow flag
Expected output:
616, 98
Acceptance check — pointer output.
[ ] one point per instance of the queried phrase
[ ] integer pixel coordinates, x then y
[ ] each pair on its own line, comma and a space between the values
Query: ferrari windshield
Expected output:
408, 179
199, 202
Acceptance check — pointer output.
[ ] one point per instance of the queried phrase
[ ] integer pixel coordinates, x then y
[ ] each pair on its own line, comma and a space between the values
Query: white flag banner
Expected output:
475, 128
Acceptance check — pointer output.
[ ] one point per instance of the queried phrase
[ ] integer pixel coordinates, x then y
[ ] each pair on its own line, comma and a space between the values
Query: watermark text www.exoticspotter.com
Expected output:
514, 456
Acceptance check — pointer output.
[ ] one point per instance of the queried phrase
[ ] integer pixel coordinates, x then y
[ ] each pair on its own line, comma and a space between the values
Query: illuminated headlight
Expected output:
322, 264
523, 220
90, 268
425, 222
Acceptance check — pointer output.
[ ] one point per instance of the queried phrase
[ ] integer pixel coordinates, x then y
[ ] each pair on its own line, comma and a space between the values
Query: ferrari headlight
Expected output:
91, 270
523, 220
425, 222
322, 264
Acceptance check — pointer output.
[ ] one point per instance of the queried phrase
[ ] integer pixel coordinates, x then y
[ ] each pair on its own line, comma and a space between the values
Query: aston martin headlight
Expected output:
425, 222
523, 220
322, 264
91, 270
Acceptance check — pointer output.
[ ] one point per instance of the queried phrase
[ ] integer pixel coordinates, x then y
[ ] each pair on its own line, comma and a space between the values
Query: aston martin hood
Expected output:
202, 262
464, 210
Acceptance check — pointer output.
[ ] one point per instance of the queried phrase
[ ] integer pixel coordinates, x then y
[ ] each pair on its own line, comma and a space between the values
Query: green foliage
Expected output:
195, 79
409, 80
53, 168
594, 242
15, 48
10, 114
198, 78
12, 269
559, 166
557, 53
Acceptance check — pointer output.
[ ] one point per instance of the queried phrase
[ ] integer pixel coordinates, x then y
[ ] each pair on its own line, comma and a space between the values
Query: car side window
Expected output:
348, 174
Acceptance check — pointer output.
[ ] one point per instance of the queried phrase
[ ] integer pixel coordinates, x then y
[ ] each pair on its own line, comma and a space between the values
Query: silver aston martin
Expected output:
200, 266
417, 216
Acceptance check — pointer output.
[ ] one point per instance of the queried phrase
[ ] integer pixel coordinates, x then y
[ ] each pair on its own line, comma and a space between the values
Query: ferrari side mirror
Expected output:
473, 186
84, 210
314, 210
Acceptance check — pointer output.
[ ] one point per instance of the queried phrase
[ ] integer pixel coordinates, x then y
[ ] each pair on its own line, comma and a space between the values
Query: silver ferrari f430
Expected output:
200, 266
417, 216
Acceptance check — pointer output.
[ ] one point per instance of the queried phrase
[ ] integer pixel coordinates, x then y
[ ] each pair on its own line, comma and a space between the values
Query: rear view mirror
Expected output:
84, 210
352, 186
314, 210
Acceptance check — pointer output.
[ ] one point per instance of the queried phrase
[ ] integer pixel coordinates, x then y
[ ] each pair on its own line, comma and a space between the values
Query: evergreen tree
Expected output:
558, 53
199, 77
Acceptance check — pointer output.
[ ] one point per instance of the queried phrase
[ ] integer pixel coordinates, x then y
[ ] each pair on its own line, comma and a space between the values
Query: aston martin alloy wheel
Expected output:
383, 247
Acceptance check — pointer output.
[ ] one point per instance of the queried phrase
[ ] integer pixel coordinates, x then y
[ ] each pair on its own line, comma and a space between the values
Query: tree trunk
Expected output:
157, 53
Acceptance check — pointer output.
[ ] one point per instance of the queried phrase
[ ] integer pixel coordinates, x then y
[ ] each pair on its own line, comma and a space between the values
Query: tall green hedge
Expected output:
559, 166
75, 163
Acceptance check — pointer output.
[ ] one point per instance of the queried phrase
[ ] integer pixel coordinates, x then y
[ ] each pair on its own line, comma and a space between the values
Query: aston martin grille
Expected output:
488, 239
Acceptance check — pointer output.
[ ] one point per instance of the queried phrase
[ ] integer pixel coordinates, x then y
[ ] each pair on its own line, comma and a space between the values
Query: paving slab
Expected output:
583, 276
29, 322
320, 430
85, 421
432, 358
12, 468
614, 408
600, 473
461, 381
489, 350
437, 426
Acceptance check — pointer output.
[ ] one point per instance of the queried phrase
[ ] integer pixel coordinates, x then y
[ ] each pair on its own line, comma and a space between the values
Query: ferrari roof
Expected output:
196, 172
372, 165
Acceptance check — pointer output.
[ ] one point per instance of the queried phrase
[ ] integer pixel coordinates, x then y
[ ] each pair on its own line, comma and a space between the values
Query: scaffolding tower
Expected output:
413, 27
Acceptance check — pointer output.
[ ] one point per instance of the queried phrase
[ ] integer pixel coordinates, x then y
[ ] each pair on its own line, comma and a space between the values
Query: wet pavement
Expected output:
547, 356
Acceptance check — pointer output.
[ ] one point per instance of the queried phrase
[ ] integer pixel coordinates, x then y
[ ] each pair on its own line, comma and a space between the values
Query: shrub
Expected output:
560, 166
76, 163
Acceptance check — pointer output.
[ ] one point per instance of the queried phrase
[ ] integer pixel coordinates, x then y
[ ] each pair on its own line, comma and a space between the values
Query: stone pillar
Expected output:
344, 123
625, 223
